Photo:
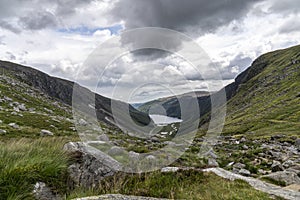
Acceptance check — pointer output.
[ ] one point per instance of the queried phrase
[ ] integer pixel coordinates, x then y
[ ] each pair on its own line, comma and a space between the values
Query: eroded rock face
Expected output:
91, 165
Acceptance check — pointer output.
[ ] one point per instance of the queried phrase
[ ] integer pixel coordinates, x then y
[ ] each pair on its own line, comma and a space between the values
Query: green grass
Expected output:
267, 104
180, 185
23, 162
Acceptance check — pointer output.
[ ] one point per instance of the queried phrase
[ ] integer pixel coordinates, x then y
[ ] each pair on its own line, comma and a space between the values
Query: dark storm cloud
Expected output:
38, 20
34, 15
68, 7
180, 15
285, 7
194, 17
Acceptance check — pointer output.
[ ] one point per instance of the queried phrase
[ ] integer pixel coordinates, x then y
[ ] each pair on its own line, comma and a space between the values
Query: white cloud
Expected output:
48, 41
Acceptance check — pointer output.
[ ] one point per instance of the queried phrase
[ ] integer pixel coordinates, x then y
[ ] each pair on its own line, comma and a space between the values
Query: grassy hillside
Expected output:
268, 103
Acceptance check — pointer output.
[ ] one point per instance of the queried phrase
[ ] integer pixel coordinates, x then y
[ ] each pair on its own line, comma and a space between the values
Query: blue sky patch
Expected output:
83, 30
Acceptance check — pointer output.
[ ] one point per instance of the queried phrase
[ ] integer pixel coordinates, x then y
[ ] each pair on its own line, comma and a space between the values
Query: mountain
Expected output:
62, 91
171, 104
263, 99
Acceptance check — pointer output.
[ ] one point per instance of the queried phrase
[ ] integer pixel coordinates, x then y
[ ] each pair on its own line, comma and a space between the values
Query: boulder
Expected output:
2, 131
82, 122
116, 151
288, 177
212, 162
276, 166
46, 133
244, 172
103, 137
14, 125
22, 107
297, 143
91, 165
239, 165
42, 192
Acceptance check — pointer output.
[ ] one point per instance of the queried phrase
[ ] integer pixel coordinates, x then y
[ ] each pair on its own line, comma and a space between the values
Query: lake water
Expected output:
162, 120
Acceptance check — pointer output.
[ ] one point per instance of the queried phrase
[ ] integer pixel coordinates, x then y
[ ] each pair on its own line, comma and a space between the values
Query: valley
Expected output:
39, 142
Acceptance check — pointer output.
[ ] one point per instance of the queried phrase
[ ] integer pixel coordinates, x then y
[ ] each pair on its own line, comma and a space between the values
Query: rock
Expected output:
133, 156
275, 155
2, 132
48, 110
7, 99
230, 164
155, 139
22, 107
288, 164
46, 133
239, 165
1, 121
14, 125
103, 137
244, 172
243, 140
257, 184
91, 166
42, 192
245, 147
276, 166
212, 154
116, 151
212, 162
262, 172
297, 143
288, 177
82, 122
151, 157
169, 169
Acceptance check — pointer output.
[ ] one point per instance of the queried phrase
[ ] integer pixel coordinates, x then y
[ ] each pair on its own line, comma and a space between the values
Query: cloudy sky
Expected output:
58, 37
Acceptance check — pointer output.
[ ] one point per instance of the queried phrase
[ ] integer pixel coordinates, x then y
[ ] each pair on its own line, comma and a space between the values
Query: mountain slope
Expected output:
267, 98
62, 90
264, 99
172, 105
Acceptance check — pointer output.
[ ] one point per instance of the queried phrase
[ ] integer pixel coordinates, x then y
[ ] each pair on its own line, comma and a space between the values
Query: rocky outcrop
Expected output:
287, 177
117, 197
62, 90
258, 184
90, 166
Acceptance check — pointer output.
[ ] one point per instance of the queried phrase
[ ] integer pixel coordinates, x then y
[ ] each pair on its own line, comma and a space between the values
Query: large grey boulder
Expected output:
92, 165
288, 177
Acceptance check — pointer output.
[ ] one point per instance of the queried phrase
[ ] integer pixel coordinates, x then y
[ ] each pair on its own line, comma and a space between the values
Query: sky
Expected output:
59, 36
